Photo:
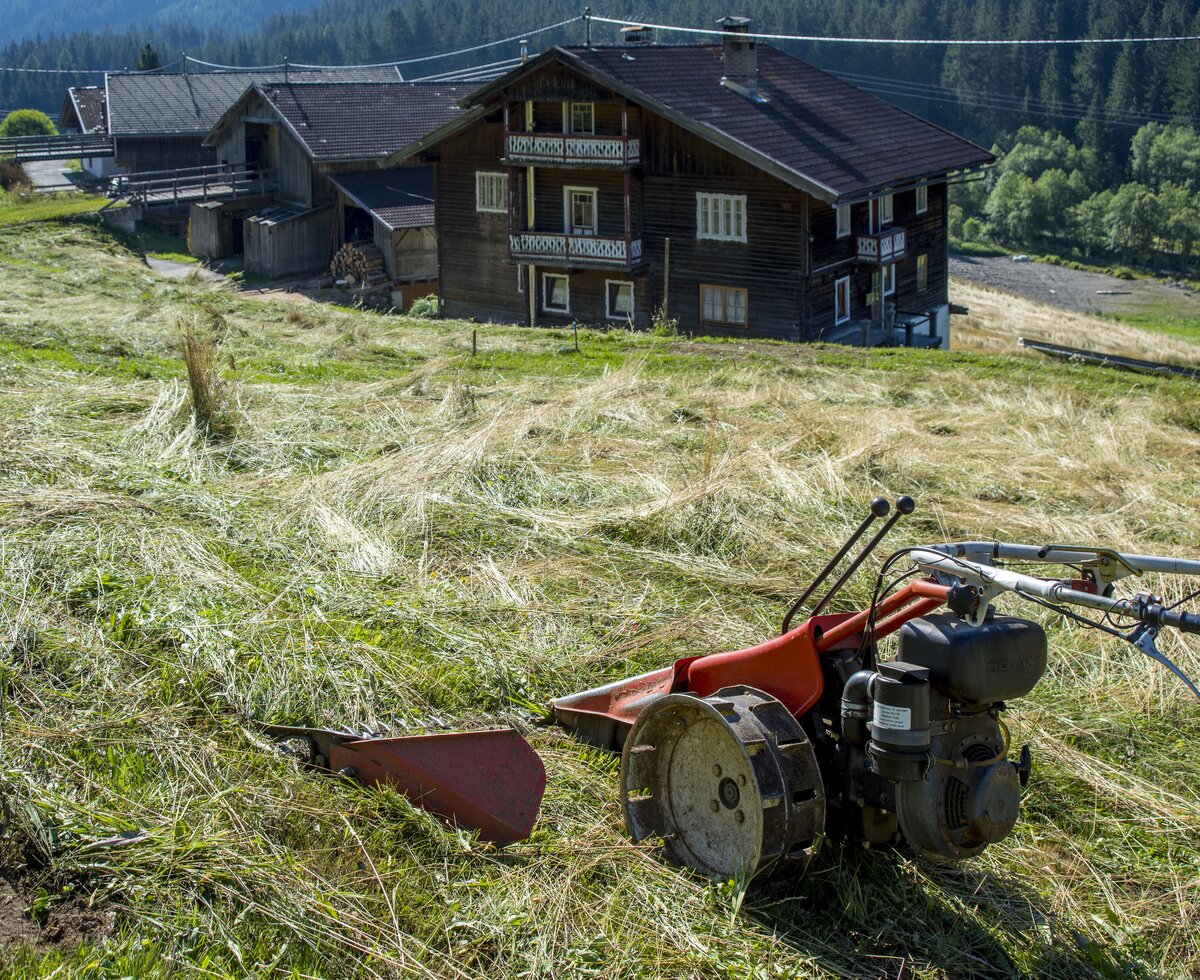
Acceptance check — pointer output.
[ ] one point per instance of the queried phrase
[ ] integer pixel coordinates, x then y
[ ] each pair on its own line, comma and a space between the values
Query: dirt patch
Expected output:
1073, 289
70, 922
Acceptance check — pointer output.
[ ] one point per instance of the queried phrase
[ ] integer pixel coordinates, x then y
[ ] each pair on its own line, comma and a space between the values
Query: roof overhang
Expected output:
452, 128
737, 148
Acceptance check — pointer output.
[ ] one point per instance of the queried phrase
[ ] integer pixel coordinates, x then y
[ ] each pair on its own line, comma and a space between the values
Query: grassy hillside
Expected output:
398, 534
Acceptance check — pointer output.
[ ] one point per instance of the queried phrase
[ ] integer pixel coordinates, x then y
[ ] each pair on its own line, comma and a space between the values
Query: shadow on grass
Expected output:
874, 914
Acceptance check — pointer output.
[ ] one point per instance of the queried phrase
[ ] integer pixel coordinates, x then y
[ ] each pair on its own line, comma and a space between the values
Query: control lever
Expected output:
1143, 636
904, 506
879, 508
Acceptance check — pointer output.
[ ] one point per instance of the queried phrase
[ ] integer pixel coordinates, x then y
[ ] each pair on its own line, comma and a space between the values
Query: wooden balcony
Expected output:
882, 247
544, 248
572, 149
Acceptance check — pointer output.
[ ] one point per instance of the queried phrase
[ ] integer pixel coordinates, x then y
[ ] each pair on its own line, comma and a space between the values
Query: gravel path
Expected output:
1083, 292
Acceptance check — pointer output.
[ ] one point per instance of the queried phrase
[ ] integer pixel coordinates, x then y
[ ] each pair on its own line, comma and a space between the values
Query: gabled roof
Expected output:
191, 102
356, 120
84, 109
400, 198
807, 128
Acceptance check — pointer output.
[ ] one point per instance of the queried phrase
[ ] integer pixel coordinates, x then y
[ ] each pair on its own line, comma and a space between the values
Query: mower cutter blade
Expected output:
603, 716
489, 781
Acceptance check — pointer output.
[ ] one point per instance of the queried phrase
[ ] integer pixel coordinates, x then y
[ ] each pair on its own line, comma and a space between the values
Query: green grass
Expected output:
960, 246
1163, 320
157, 245
15, 210
400, 534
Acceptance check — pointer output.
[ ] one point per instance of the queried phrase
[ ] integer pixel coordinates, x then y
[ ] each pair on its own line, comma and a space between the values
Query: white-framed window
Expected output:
922, 199
885, 209
841, 300
556, 293
723, 304
618, 299
888, 275
491, 190
521, 274
721, 217
922, 272
579, 210
843, 220
579, 117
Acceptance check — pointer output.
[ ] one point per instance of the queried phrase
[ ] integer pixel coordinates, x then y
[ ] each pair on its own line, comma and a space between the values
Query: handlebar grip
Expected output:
1186, 623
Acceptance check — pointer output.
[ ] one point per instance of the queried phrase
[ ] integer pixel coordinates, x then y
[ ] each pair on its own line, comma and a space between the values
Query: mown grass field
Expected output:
400, 534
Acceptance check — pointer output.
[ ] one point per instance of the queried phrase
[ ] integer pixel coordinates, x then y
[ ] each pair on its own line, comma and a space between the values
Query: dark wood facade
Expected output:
777, 277
156, 151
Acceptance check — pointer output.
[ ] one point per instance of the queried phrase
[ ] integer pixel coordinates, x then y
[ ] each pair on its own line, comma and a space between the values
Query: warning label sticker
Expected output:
890, 716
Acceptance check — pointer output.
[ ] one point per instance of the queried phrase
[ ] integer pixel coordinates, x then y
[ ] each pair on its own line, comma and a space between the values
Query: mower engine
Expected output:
922, 750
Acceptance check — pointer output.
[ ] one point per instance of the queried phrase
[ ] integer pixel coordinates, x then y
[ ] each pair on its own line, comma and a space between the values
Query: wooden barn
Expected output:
85, 111
744, 192
158, 121
322, 143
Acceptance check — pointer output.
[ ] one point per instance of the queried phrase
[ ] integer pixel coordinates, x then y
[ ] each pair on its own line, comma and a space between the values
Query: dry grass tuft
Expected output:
212, 398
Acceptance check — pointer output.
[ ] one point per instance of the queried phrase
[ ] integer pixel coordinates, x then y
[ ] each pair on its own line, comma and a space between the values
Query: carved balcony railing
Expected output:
593, 250
881, 247
598, 151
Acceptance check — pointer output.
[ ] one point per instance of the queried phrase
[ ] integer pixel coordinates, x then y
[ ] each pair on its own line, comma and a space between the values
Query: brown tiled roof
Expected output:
810, 129
88, 109
400, 198
360, 120
192, 102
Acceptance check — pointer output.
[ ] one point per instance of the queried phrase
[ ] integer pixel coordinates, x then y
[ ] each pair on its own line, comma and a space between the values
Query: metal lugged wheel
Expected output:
730, 784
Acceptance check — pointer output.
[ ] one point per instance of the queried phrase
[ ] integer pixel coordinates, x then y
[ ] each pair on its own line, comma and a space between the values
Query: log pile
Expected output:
359, 263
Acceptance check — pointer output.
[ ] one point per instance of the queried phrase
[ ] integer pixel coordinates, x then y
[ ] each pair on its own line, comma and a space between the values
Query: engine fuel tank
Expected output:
976, 665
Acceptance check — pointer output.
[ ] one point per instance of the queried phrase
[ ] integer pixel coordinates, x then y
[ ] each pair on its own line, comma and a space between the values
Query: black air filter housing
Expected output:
976, 665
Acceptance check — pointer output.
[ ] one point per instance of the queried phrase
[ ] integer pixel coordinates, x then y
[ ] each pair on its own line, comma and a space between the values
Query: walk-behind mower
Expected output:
743, 763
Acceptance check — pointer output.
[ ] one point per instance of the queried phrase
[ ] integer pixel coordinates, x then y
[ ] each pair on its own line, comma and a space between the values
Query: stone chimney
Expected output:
637, 34
740, 55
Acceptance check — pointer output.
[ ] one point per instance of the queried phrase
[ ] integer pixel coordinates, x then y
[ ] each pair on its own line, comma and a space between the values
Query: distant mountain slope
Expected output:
30, 18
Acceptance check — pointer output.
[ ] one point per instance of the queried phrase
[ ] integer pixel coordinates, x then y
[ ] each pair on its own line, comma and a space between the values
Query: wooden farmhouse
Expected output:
743, 191
85, 111
322, 143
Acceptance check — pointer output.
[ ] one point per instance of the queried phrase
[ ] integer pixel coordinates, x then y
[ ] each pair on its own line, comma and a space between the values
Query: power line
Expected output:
993, 100
463, 73
897, 40
93, 71
451, 54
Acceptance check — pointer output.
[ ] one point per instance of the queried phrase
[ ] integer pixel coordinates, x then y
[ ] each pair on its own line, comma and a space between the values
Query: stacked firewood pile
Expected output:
359, 263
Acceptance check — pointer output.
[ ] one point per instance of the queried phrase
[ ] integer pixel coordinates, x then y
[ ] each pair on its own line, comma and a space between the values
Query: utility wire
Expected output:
451, 54
465, 73
93, 71
983, 100
898, 40
999, 97
209, 64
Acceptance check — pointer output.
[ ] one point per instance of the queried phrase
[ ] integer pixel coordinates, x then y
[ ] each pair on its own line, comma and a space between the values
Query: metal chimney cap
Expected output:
740, 25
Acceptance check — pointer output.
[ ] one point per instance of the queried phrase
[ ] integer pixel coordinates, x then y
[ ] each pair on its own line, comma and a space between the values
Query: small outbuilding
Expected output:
321, 143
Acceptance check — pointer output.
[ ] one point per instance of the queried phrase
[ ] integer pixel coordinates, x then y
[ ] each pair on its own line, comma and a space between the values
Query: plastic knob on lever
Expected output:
880, 507
905, 505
